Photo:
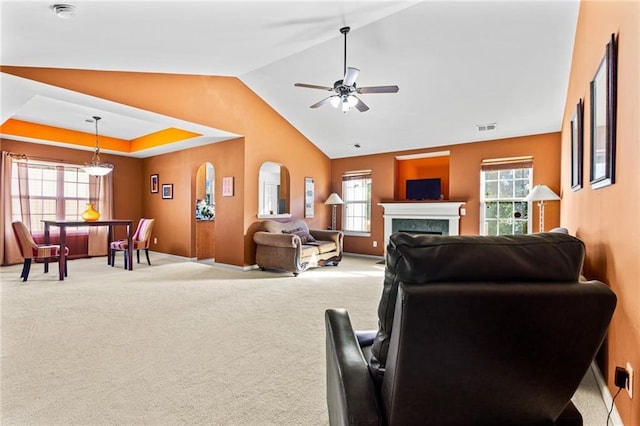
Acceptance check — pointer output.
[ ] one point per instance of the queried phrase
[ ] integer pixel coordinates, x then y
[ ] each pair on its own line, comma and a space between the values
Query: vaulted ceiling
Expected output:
458, 64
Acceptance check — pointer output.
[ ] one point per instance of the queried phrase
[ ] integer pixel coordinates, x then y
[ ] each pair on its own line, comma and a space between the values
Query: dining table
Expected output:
111, 224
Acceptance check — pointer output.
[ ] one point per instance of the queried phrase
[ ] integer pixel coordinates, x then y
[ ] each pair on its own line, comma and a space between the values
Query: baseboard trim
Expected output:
367, 256
615, 419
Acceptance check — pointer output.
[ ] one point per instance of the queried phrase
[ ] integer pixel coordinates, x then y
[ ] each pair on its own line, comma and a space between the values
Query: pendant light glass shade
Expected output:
95, 167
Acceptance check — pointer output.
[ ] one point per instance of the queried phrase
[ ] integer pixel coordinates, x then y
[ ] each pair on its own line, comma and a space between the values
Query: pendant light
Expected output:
95, 167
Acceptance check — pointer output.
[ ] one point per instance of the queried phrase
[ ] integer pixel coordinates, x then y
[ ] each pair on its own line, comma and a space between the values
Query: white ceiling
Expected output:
458, 64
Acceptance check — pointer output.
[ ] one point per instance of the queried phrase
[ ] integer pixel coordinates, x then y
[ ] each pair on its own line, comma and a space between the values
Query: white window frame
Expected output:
39, 194
507, 165
353, 203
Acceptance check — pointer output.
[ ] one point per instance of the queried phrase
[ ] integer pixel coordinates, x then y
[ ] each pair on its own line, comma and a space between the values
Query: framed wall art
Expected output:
154, 184
227, 186
167, 191
309, 196
603, 119
577, 146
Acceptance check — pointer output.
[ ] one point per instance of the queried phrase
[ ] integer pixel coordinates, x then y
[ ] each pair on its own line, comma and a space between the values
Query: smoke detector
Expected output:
64, 11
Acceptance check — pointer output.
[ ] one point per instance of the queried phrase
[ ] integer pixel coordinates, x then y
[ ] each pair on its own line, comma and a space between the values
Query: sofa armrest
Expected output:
327, 235
276, 240
351, 392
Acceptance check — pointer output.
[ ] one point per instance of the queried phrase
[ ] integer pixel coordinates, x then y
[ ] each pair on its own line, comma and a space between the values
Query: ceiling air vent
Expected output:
64, 11
486, 127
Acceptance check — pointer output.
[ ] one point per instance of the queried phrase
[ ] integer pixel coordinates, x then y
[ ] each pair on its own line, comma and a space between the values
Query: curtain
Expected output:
101, 195
9, 250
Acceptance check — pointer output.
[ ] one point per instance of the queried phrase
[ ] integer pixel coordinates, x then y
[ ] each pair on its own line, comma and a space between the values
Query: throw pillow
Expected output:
305, 236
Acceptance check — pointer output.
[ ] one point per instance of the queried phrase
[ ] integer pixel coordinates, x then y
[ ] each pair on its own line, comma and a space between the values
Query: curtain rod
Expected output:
29, 157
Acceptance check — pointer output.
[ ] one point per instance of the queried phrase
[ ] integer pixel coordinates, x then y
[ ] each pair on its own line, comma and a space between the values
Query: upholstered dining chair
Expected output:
141, 240
31, 250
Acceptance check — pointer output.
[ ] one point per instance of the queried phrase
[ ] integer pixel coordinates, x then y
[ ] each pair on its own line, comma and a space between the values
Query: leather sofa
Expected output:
292, 246
472, 330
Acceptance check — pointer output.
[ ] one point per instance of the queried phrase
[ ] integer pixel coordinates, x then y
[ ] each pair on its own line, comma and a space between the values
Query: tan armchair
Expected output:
292, 246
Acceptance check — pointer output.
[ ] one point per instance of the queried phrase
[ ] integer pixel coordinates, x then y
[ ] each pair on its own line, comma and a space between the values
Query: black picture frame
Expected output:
154, 185
577, 146
603, 119
167, 191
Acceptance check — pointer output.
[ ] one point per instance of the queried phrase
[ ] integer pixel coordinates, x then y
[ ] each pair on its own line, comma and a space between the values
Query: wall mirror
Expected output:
273, 197
205, 192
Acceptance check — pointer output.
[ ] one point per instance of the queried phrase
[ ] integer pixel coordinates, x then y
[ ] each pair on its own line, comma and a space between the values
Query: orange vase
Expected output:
90, 214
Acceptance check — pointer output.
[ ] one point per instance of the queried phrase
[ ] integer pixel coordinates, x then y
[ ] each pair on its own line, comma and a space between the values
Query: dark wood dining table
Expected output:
64, 224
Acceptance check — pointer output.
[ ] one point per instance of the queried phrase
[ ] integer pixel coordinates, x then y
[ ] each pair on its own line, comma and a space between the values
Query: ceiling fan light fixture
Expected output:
96, 167
344, 89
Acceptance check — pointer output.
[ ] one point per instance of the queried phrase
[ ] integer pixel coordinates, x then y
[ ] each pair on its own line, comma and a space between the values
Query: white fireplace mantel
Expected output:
444, 210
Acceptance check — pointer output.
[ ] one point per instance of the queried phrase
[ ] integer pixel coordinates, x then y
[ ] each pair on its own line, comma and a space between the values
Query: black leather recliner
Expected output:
472, 330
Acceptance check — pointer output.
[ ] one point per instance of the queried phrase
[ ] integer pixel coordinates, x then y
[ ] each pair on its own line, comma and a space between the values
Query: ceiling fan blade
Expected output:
313, 86
322, 102
378, 89
350, 76
362, 107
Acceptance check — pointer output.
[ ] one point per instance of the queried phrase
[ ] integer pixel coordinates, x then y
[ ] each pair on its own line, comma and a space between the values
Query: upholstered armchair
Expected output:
30, 250
141, 241
292, 246
472, 330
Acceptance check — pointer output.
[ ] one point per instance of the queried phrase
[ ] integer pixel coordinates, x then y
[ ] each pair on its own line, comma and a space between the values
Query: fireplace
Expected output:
431, 217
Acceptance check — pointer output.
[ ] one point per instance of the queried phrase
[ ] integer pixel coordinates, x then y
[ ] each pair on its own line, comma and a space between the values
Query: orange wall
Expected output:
607, 219
464, 180
422, 168
177, 236
224, 103
127, 174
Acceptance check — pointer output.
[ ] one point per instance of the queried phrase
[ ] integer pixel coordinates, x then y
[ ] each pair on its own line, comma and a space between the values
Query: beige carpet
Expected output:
177, 343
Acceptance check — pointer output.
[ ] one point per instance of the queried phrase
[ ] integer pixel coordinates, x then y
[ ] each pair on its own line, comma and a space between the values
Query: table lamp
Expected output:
333, 200
541, 193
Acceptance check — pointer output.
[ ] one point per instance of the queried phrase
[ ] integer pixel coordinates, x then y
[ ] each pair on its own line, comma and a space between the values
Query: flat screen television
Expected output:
423, 189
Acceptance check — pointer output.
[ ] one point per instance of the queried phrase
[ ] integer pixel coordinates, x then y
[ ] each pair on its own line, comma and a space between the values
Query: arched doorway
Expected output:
205, 212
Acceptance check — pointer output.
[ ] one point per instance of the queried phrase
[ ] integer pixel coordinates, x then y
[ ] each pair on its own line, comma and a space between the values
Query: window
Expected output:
55, 192
356, 192
504, 185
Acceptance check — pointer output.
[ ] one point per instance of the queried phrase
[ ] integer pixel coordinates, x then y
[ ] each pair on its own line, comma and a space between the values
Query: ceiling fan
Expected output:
346, 89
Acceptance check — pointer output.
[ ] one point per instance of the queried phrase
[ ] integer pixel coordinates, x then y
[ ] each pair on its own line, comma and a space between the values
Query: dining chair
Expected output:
30, 250
141, 240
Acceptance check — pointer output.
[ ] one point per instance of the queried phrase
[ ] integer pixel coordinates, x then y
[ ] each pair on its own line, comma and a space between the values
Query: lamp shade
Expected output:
334, 199
98, 169
541, 193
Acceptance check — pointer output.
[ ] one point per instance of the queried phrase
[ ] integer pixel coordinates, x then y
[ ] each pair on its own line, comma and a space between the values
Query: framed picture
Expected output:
154, 184
167, 190
577, 150
603, 119
309, 196
227, 186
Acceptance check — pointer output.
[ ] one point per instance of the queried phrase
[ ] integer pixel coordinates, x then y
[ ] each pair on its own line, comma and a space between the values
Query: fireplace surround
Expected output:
441, 217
